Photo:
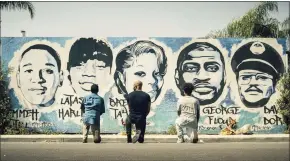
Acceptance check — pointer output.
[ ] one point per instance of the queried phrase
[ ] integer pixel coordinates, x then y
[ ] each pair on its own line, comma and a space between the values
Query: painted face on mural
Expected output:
201, 64
144, 61
257, 66
39, 75
147, 73
255, 86
90, 62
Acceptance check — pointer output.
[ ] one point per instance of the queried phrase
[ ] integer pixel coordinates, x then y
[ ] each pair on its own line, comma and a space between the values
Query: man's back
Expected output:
93, 106
189, 107
138, 102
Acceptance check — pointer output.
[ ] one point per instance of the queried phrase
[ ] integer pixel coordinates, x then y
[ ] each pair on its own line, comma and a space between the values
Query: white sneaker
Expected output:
180, 140
136, 137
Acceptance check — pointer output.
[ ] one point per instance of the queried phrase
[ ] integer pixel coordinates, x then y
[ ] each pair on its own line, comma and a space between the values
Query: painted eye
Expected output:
212, 68
262, 77
28, 71
79, 67
246, 77
190, 68
100, 66
158, 74
140, 74
49, 71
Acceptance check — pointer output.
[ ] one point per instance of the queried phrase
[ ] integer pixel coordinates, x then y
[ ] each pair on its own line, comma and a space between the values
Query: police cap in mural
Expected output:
257, 66
259, 56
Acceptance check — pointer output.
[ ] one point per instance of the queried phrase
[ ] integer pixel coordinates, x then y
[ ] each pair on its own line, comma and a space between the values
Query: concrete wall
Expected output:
234, 78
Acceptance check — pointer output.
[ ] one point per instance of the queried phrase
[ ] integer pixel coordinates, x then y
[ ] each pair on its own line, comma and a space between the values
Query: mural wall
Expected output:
234, 78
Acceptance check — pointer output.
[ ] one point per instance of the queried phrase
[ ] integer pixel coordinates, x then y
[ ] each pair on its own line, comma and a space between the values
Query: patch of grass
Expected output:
172, 130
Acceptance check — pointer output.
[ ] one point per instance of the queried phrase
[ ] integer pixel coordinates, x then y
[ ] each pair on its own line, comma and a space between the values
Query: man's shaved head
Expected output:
138, 85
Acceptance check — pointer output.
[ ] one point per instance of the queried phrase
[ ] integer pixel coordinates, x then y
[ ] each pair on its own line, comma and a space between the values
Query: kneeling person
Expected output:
92, 107
139, 104
188, 115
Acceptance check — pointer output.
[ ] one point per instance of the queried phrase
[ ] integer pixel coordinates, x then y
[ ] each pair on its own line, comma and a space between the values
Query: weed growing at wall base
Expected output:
284, 100
5, 105
6, 115
172, 130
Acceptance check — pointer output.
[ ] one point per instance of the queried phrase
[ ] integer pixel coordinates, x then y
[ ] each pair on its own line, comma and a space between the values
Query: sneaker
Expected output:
85, 140
141, 139
192, 139
180, 140
97, 138
195, 140
129, 139
137, 135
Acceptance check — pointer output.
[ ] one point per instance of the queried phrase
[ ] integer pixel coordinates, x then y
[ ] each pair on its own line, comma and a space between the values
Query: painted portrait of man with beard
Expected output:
202, 64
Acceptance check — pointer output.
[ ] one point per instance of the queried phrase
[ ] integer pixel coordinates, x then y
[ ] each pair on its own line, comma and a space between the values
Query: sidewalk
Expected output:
148, 138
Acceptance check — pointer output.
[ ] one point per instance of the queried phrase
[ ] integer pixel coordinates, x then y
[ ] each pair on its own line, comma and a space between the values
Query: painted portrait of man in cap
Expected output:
257, 67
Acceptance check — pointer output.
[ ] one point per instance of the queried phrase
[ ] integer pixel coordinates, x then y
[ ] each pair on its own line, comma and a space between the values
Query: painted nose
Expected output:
151, 80
89, 70
38, 77
253, 81
203, 75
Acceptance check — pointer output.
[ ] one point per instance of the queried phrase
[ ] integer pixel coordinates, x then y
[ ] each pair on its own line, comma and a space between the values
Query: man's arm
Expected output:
149, 108
83, 107
102, 106
149, 105
178, 112
197, 110
126, 96
178, 109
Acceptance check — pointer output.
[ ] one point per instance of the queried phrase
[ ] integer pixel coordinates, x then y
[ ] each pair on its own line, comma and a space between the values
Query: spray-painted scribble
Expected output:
258, 67
202, 64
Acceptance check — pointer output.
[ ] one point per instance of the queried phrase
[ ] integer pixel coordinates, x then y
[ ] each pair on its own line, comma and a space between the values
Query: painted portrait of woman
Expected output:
144, 61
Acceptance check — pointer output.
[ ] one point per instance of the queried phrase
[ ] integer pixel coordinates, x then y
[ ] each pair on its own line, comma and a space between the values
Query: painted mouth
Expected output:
86, 86
203, 88
38, 91
152, 94
253, 90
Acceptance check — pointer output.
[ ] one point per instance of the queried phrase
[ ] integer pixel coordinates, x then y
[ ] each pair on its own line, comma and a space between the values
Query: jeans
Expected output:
140, 123
94, 128
191, 128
